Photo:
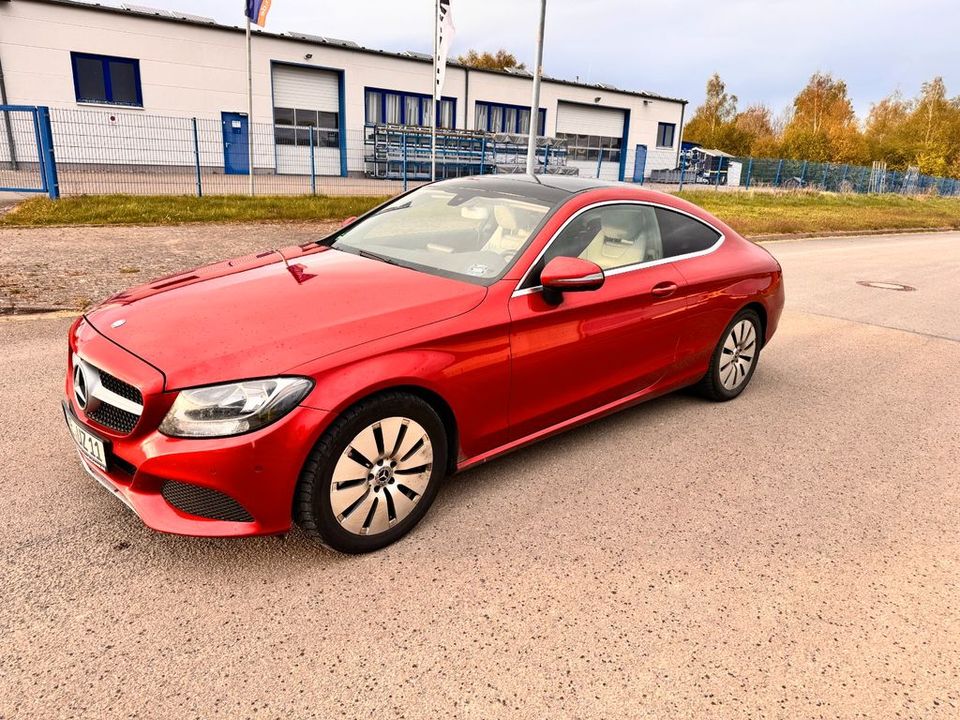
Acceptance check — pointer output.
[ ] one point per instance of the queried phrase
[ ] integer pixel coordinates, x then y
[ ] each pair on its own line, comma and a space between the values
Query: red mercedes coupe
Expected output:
335, 384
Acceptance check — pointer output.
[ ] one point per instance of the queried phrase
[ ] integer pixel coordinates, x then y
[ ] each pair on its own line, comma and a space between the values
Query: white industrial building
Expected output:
315, 95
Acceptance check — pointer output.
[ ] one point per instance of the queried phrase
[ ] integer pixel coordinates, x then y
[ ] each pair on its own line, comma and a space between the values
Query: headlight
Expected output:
233, 408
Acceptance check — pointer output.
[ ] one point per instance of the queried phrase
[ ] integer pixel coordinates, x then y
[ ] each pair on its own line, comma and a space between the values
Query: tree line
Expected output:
821, 126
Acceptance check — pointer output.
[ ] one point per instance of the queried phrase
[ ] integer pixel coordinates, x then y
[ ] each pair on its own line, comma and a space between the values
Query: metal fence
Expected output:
100, 151
709, 169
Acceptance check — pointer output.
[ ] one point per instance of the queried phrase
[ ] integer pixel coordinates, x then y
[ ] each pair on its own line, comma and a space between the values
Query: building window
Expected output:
294, 126
665, 132
500, 118
106, 79
591, 148
403, 108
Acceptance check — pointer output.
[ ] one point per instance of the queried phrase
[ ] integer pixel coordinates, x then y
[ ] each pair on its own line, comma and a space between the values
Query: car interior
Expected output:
610, 236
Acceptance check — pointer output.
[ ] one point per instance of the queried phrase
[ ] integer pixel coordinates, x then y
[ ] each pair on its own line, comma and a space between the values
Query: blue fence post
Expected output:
843, 176
719, 170
683, 170
35, 114
483, 153
776, 182
599, 162
803, 173
405, 161
823, 181
47, 155
746, 185
313, 166
863, 176
196, 157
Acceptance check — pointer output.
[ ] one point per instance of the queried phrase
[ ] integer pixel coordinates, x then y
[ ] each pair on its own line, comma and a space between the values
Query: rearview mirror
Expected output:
567, 274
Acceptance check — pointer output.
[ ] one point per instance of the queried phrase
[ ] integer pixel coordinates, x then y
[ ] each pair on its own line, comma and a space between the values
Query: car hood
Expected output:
262, 314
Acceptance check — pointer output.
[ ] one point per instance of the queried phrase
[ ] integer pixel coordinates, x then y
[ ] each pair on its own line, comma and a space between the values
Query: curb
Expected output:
847, 233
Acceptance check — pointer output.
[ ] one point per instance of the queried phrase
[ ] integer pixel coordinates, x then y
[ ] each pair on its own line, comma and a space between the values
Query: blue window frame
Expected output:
106, 79
500, 117
665, 133
394, 107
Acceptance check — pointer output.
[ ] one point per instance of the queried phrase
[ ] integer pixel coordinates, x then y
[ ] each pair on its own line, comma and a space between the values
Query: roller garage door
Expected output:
594, 138
306, 102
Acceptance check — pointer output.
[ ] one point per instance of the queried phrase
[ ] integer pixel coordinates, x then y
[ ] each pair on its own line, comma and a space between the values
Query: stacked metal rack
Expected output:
400, 152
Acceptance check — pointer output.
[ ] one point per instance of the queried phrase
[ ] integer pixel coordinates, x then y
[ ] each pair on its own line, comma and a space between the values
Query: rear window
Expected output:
681, 234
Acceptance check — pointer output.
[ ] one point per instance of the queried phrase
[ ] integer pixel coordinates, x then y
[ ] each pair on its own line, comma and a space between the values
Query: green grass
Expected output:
167, 210
768, 213
751, 213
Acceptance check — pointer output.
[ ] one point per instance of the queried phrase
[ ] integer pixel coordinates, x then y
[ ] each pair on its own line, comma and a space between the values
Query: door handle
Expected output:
664, 289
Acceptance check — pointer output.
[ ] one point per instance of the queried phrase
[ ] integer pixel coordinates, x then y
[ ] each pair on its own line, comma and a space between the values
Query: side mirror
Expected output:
567, 274
349, 220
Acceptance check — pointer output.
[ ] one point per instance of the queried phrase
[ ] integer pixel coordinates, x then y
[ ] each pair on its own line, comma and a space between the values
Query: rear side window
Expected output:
681, 234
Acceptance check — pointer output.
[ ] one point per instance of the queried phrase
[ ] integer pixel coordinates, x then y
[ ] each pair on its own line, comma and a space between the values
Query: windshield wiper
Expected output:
377, 256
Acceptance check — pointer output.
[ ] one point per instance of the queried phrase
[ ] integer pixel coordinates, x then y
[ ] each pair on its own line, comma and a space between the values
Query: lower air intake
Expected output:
204, 502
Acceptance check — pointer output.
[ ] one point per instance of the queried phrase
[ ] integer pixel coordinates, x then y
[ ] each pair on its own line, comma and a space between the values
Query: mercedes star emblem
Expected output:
80, 388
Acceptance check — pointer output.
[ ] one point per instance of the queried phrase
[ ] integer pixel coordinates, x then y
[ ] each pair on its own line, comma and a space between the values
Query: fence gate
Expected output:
26, 151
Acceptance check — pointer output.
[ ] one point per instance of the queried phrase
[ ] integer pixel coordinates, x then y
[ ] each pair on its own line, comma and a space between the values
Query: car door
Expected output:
596, 347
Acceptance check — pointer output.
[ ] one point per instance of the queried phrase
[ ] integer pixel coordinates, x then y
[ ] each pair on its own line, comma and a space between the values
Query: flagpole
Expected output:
434, 106
249, 107
535, 103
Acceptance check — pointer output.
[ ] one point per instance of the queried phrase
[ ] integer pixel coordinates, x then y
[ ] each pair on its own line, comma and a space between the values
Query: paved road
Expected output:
795, 553
823, 278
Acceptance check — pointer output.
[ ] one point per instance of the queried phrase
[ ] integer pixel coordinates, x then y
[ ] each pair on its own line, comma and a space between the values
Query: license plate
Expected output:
92, 447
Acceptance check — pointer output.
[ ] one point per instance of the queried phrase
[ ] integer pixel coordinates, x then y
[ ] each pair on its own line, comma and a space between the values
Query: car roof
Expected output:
546, 188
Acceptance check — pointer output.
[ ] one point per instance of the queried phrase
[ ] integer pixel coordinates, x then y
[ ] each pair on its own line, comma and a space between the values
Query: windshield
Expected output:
467, 232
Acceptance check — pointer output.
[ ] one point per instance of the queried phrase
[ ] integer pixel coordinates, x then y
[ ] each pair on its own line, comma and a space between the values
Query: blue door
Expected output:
236, 158
639, 163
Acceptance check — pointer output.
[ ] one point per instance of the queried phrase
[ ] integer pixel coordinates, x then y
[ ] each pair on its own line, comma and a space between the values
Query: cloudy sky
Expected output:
765, 50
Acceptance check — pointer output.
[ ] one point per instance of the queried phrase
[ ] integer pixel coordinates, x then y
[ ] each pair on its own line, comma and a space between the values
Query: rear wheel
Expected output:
734, 359
373, 474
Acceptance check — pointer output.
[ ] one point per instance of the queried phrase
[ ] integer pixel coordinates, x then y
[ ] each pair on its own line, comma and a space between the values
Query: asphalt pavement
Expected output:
792, 554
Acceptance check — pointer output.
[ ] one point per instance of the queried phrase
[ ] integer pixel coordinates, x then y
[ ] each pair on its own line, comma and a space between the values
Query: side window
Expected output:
681, 234
612, 236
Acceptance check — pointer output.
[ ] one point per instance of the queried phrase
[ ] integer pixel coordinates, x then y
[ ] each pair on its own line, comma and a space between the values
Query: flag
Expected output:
257, 11
445, 33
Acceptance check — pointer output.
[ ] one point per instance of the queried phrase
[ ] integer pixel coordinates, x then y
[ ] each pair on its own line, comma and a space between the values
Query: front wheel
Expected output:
734, 359
373, 474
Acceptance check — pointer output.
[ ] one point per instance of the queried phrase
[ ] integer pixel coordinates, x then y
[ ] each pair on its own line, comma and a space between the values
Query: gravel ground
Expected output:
792, 554
72, 267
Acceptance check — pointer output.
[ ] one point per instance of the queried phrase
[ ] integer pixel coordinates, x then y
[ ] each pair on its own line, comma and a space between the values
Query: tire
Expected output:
373, 474
742, 340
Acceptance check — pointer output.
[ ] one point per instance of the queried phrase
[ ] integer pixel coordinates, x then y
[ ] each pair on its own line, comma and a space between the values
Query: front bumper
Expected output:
257, 471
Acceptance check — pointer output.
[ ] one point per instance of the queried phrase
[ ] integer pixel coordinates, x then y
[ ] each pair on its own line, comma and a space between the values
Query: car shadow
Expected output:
297, 552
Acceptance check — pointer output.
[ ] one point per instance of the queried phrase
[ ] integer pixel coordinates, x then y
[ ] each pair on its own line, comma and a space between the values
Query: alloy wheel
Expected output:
738, 354
381, 475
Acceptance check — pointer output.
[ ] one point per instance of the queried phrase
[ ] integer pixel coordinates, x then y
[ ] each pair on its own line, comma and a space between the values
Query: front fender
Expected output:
469, 371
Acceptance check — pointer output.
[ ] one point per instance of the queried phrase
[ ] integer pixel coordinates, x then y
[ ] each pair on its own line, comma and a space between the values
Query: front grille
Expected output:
203, 502
124, 390
113, 418
107, 400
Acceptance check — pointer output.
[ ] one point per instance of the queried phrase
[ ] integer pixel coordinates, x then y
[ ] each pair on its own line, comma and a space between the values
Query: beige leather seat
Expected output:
627, 236
509, 236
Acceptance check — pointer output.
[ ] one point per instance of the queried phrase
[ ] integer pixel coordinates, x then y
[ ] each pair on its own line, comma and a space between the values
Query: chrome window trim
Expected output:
518, 292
